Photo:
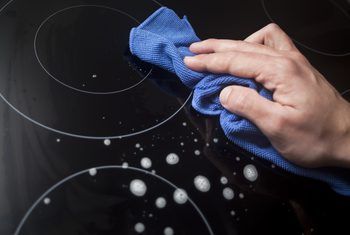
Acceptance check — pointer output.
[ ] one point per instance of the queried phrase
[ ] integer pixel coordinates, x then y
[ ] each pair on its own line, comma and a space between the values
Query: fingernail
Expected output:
194, 45
224, 95
189, 59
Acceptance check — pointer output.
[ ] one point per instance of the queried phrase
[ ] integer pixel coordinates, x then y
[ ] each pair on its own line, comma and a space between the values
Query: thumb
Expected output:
247, 103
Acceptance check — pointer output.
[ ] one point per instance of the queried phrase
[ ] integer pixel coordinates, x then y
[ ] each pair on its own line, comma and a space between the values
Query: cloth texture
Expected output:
163, 39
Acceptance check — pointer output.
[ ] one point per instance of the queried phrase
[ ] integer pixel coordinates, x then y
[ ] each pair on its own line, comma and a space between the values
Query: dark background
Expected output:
78, 43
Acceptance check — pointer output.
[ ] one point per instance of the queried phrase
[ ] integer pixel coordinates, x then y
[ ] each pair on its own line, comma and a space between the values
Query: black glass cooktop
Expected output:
94, 141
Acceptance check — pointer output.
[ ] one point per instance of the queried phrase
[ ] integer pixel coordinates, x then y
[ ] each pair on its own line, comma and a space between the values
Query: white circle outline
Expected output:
72, 87
52, 188
89, 136
301, 44
94, 137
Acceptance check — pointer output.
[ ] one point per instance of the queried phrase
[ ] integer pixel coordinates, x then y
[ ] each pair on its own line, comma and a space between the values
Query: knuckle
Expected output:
286, 65
230, 62
297, 56
279, 124
273, 27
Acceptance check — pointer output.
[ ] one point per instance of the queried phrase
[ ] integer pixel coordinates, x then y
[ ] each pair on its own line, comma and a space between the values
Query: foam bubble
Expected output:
215, 140
58, 140
139, 227
160, 202
250, 172
223, 180
202, 183
137, 145
172, 158
197, 152
146, 163
47, 201
228, 193
168, 231
180, 196
125, 165
138, 187
93, 171
241, 195
107, 142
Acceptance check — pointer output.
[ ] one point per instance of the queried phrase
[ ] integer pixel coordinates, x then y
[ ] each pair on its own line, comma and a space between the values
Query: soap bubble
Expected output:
138, 187
180, 196
172, 158
202, 183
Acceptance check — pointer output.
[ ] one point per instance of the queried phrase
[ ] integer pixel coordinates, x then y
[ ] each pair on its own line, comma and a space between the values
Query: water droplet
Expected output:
139, 227
146, 163
228, 193
47, 201
172, 158
180, 196
138, 187
160, 202
107, 142
168, 231
250, 172
223, 180
93, 171
202, 183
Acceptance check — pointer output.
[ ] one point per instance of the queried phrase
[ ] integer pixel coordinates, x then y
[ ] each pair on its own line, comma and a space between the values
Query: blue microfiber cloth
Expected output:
163, 40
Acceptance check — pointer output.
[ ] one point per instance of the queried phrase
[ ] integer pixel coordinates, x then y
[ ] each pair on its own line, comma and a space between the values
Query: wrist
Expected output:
340, 146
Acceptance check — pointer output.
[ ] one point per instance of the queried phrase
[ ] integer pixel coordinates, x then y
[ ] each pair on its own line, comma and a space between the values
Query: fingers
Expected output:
272, 36
249, 104
223, 45
241, 64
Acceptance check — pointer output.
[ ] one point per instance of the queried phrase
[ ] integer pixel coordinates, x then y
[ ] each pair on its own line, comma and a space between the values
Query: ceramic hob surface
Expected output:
95, 141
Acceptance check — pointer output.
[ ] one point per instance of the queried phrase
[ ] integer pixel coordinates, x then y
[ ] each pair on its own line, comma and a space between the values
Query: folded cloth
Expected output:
163, 40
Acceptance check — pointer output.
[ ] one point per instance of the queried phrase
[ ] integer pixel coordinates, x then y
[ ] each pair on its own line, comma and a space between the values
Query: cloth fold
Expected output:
163, 40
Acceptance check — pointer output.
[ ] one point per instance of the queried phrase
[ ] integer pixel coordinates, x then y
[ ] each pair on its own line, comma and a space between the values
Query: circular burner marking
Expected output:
184, 197
74, 67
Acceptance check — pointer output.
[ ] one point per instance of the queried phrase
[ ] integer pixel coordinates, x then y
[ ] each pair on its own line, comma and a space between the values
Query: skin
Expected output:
308, 122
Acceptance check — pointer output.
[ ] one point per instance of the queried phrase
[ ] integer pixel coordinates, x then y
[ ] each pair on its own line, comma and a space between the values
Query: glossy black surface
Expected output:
68, 82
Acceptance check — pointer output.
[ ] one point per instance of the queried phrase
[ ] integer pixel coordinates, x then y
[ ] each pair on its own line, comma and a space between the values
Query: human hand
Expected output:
307, 122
